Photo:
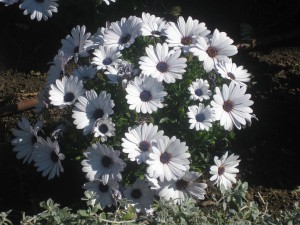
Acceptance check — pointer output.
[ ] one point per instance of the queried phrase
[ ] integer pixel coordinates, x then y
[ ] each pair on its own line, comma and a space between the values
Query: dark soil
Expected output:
269, 149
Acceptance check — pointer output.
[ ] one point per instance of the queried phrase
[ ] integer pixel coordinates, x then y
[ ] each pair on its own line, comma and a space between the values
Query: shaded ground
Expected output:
268, 149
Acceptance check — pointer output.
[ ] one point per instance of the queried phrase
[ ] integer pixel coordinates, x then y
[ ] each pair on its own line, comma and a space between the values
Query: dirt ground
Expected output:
269, 149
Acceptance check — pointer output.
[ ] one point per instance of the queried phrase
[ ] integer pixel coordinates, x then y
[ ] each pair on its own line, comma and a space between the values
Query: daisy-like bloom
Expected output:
122, 33
25, 139
183, 188
145, 94
77, 43
105, 56
108, 1
215, 49
103, 162
200, 90
85, 72
104, 128
183, 34
90, 108
139, 140
97, 38
162, 64
168, 159
9, 2
231, 106
201, 117
66, 91
224, 172
39, 9
230, 71
122, 72
47, 158
152, 25
140, 196
104, 192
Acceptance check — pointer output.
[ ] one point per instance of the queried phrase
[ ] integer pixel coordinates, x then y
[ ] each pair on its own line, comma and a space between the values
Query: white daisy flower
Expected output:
231, 106
108, 1
105, 56
224, 171
139, 140
47, 158
90, 108
9, 2
183, 188
152, 25
77, 43
200, 90
85, 72
162, 64
39, 9
230, 71
215, 49
104, 192
104, 128
25, 139
140, 196
122, 72
201, 117
168, 159
66, 91
183, 34
122, 33
145, 94
103, 162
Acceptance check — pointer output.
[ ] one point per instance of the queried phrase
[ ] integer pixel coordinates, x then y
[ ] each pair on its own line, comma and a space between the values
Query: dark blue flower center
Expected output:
39, 1
145, 96
221, 170
103, 128
165, 157
54, 157
76, 48
124, 39
186, 40
231, 75
155, 32
198, 92
144, 146
69, 97
162, 67
33, 139
103, 188
200, 117
181, 185
106, 161
228, 106
136, 193
107, 61
98, 113
212, 52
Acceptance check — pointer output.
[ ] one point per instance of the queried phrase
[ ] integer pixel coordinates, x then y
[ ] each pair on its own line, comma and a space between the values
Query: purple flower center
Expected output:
54, 157
231, 75
198, 92
103, 128
162, 67
136, 193
107, 61
69, 97
186, 40
145, 96
76, 48
124, 39
144, 146
200, 117
39, 1
33, 139
181, 185
156, 32
212, 52
98, 113
228, 106
165, 158
106, 161
221, 170
103, 188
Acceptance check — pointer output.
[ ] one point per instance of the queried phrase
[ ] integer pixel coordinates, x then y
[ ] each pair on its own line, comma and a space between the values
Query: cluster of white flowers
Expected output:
39, 9
167, 159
